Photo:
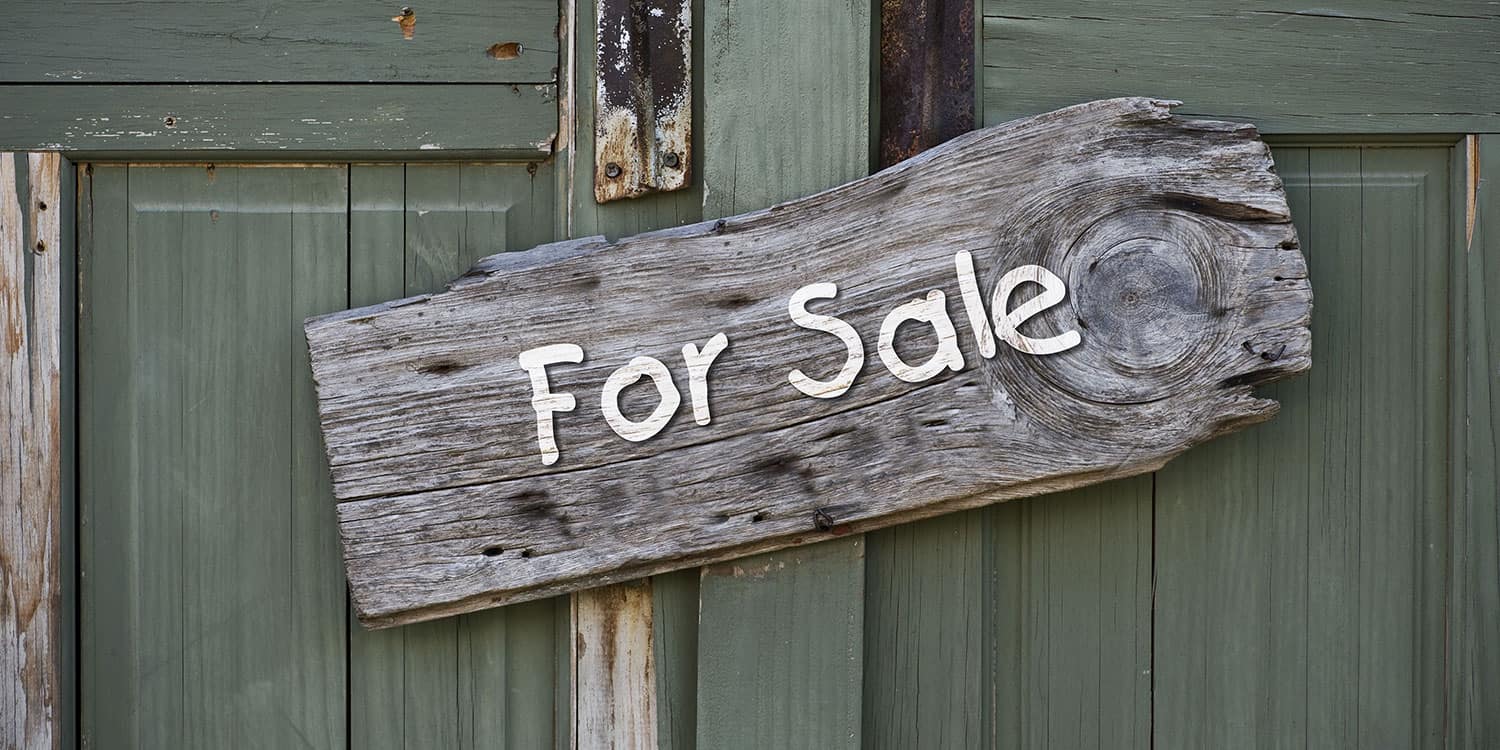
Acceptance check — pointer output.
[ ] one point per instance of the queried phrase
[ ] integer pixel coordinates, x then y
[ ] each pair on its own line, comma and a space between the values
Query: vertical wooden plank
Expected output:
154, 552
483, 679
924, 634
1474, 652
318, 635
30, 521
1300, 564
668, 627
780, 639
212, 612
786, 112
105, 410
1067, 618
616, 660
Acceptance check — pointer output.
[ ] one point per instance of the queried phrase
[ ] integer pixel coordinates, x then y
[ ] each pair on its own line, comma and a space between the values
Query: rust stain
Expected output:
926, 75
506, 51
408, 22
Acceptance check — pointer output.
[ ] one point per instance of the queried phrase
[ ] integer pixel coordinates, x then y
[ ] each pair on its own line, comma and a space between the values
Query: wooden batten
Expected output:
30, 477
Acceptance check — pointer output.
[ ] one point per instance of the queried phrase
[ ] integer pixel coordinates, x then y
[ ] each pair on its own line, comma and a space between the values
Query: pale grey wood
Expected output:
30, 477
615, 665
431, 434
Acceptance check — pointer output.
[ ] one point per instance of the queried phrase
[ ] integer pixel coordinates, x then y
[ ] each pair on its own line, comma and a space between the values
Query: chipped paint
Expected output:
407, 20
505, 51
643, 98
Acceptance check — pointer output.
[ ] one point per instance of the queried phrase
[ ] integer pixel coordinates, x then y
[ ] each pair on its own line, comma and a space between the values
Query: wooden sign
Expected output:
1039, 305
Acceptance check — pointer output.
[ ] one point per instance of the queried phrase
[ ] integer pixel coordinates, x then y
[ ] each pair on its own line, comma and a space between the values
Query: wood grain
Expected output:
30, 404
616, 677
422, 501
423, 504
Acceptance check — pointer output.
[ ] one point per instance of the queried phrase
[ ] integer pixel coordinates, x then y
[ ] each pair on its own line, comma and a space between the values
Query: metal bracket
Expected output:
643, 101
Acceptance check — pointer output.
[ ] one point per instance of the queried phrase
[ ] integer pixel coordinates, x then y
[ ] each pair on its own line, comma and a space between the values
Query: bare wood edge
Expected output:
614, 665
1251, 409
30, 524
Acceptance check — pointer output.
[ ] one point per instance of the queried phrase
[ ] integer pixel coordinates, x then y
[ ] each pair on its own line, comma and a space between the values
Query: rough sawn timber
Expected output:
30, 467
1184, 278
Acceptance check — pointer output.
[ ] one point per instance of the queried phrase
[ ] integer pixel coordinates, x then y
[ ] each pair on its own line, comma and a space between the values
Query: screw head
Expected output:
612, 170
671, 159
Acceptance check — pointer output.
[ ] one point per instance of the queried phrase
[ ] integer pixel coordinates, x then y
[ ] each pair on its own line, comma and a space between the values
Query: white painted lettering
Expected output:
1008, 322
543, 400
853, 361
619, 380
698, 363
931, 310
979, 318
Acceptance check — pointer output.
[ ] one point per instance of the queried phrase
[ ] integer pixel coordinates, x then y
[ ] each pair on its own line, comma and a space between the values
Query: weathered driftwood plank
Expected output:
30, 499
1184, 288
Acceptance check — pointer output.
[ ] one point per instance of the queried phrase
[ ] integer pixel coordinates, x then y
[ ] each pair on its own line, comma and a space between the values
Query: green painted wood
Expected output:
779, 649
925, 661
1355, 66
1474, 652
1300, 565
487, 679
69, 667
674, 596
1068, 618
162, 41
210, 614
282, 122
786, 113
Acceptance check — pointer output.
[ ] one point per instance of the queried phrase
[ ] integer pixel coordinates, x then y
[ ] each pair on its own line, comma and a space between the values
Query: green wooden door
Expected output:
1327, 579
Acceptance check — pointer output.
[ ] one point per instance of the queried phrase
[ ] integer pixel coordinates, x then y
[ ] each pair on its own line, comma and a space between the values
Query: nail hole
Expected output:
612, 170
1278, 278
41, 246
169, 121
527, 553
757, 518
493, 551
41, 205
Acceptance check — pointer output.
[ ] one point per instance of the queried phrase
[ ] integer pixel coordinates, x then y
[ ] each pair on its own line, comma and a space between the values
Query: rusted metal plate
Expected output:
643, 111
926, 75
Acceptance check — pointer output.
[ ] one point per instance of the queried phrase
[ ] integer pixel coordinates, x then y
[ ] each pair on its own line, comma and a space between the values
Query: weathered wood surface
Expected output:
1183, 274
30, 489
1351, 66
282, 122
340, 41
616, 672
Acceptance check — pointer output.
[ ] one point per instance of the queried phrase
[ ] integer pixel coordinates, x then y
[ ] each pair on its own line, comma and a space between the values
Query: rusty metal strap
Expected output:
643, 101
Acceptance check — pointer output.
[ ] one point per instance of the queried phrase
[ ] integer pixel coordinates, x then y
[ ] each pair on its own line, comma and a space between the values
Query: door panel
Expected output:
496, 678
1300, 579
211, 590
213, 597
